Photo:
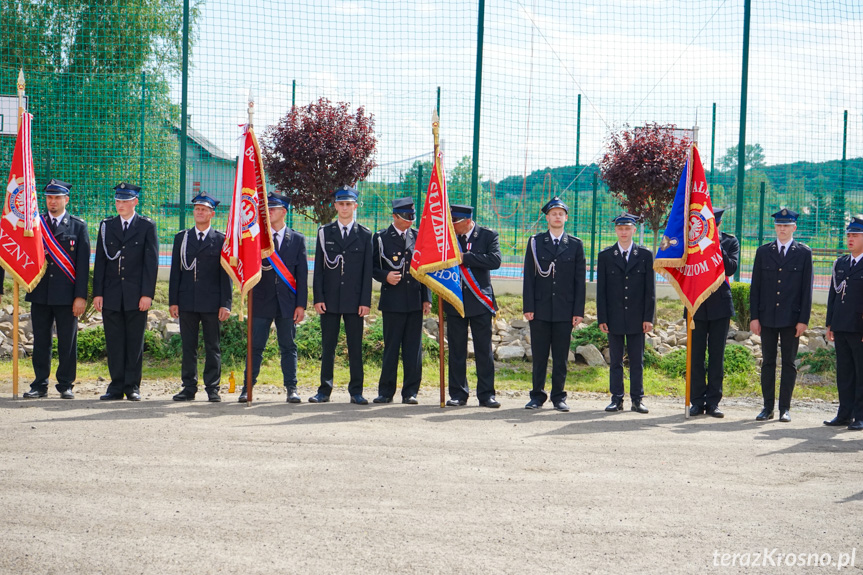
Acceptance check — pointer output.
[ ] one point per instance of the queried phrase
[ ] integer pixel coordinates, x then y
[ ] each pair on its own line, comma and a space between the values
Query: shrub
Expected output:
91, 344
373, 342
588, 335
651, 357
821, 360
740, 296
308, 338
233, 342
738, 360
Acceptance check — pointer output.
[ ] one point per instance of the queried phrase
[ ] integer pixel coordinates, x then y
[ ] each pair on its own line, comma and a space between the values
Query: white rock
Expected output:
509, 352
470, 352
570, 358
170, 329
817, 343
756, 339
500, 325
741, 335
591, 355
519, 324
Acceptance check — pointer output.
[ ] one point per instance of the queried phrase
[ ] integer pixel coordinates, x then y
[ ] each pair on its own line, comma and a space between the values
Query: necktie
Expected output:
344, 232
462, 240
53, 224
624, 256
276, 240
200, 236
782, 252
853, 263
125, 227
556, 242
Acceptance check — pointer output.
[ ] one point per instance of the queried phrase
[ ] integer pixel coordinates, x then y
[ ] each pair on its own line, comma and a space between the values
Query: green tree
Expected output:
83, 63
460, 178
416, 178
754, 158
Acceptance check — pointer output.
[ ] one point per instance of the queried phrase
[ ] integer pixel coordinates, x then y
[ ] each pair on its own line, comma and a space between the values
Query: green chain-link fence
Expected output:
104, 81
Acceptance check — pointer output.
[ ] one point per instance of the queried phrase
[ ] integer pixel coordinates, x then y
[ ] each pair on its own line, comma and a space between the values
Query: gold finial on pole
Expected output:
251, 107
21, 89
435, 131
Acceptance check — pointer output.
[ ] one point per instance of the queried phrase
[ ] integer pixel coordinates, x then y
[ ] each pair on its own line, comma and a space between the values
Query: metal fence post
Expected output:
593, 226
143, 115
741, 145
477, 98
184, 120
761, 213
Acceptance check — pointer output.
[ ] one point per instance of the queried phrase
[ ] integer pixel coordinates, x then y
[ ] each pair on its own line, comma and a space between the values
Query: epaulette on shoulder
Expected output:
611, 247
362, 227
77, 218
574, 237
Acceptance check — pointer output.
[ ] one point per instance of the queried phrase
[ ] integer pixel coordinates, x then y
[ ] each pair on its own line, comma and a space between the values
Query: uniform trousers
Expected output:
849, 374
456, 332
635, 350
124, 342
553, 336
403, 332
209, 323
789, 342
708, 337
330, 323
44, 317
286, 332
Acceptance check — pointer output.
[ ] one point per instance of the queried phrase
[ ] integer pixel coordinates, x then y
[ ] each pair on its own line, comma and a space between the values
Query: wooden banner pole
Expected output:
249, 351
440, 341
689, 322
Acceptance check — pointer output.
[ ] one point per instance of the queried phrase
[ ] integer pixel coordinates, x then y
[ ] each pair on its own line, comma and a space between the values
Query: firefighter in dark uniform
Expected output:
845, 328
625, 304
481, 254
280, 299
553, 301
780, 301
199, 294
61, 296
343, 289
403, 302
124, 283
711, 330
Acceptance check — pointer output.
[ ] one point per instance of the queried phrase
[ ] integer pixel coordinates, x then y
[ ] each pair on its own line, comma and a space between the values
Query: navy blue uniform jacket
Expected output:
206, 288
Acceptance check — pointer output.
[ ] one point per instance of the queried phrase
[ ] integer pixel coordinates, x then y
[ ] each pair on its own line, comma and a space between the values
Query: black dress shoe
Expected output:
456, 402
784, 416
186, 394
319, 398
490, 402
561, 406
213, 395
713, 411
412, 400
764, 415
294, 397
244, 396
639, 407
533, 404
359, 400
382, 399
134, 396
838, 422
67, 394
34, 394
696, 410
857, 425
111, 397
615, 406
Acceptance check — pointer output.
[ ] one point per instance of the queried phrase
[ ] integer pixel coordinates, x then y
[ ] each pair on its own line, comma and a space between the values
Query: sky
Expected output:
631, 61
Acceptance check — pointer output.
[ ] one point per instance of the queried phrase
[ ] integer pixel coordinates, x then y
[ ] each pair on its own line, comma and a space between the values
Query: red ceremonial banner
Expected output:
247, 238
22, 252
695, 267
437, 254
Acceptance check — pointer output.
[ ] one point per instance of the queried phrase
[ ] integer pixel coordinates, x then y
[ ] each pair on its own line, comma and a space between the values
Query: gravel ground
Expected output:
159, 487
